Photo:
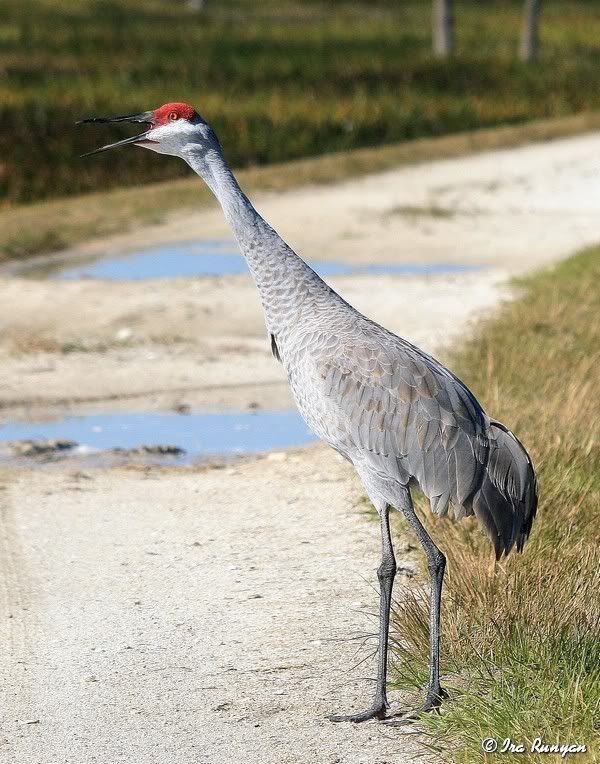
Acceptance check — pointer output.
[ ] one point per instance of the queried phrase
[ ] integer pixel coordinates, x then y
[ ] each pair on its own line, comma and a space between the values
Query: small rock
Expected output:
40, 447
150, 450
80, 475
277, 456
123, 334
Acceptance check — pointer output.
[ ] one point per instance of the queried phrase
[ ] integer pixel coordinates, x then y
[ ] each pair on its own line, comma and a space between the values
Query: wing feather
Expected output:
411, 420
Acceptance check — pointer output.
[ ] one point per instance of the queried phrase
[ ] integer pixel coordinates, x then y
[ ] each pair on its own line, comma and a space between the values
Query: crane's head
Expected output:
173, 128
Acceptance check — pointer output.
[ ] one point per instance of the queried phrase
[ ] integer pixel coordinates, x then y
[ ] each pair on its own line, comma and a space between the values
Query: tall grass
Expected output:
279, 80
521, 639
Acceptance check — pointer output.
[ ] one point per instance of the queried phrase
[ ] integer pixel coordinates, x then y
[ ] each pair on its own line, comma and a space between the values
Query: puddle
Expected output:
212, 258
166, 437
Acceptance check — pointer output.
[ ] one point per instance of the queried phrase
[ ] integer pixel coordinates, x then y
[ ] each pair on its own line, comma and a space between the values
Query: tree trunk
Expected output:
529, 34
443, 27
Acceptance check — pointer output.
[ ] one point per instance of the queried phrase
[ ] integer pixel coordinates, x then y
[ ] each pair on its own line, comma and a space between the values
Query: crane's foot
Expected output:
432, 703
377, 711
434, 699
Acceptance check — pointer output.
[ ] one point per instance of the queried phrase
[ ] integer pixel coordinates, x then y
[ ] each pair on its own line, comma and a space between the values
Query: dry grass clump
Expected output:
521, 639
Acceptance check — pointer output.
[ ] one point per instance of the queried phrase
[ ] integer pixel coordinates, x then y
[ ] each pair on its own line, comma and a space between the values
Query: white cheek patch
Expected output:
162, 133
157, 147
172, 138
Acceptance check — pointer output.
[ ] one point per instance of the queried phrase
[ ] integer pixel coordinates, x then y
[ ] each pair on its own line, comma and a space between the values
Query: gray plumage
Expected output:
399, 416
392, 410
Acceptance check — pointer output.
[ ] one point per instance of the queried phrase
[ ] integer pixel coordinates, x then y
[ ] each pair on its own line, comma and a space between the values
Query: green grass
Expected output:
521, 639
279, 80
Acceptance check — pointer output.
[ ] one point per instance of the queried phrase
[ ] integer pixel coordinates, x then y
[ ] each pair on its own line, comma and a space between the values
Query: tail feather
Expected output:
506, 502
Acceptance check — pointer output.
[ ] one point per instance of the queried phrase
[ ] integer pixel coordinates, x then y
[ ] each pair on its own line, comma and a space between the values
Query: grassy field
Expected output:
521, 640
279, 80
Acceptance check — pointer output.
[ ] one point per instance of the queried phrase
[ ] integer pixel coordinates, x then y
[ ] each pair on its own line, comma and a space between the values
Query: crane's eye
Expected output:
173, 115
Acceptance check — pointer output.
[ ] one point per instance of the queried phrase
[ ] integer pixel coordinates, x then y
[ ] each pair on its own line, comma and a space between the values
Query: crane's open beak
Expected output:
145, 117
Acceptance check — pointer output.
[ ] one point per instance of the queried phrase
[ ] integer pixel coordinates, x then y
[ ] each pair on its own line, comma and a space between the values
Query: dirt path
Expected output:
204, 616
199, 342
177, 617
163, 341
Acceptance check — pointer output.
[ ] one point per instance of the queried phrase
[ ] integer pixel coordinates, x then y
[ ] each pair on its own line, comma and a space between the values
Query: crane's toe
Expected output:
434, 699
400, 720
432, 703
375, 712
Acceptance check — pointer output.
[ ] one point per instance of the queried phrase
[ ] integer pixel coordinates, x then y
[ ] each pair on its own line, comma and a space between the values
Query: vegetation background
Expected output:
279, 79
521, 637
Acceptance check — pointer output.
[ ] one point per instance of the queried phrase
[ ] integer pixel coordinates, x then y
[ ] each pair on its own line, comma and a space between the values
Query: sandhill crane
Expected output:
399, 416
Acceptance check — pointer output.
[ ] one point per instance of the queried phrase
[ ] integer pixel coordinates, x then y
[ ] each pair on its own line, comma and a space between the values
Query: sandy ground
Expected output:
158, 615
199, 342
192, 617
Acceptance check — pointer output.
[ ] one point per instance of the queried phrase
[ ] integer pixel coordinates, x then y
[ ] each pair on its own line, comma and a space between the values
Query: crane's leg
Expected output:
385, 574
436, 563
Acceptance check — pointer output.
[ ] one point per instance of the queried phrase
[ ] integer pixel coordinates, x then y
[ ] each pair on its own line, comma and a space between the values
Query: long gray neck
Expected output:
287, 285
